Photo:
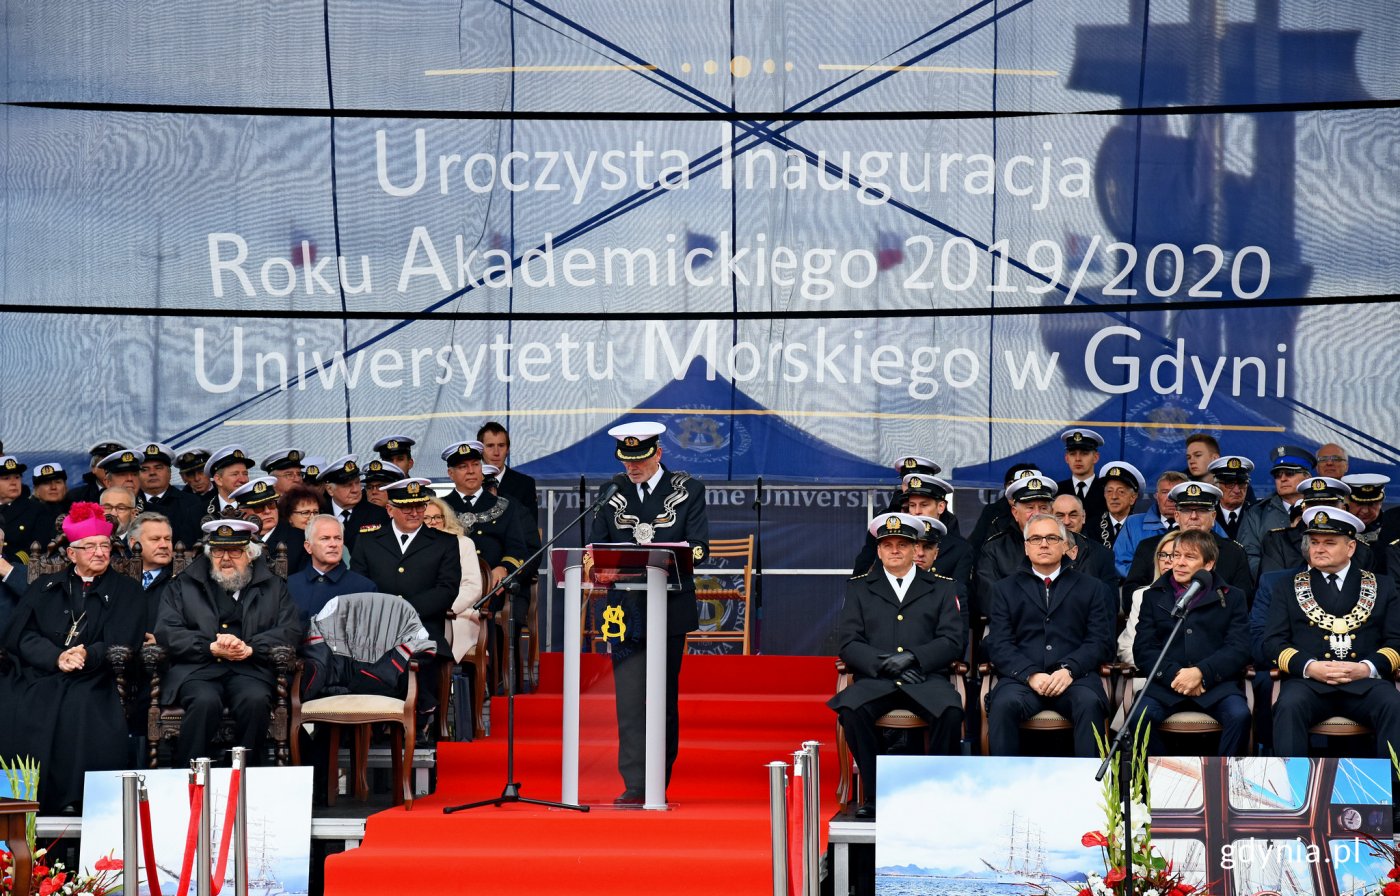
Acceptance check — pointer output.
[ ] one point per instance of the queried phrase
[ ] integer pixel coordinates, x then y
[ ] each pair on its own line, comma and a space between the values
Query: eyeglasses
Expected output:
1044, 539
1330, 458
1165, 555
119, 507
410, 509
1178, 555
433, 519
227, 552
306, 513
100, 547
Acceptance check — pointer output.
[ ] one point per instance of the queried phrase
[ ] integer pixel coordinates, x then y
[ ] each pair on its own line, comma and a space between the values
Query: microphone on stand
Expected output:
1199, 582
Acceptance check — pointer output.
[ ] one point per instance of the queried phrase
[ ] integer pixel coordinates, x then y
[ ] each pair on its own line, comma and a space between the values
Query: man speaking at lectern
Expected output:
652, 505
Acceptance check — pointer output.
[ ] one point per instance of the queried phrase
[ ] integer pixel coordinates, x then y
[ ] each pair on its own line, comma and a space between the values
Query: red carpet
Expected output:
738, 713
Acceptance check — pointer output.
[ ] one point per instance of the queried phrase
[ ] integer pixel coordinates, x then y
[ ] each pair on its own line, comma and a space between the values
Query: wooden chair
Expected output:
1188, 722
360, 711
476, 661
163, 722
708, 591
849, 776
1332, 726
1047, 719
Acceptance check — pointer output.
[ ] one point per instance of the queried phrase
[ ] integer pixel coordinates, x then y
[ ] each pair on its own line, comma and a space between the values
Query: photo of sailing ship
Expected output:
995, 827
279, 826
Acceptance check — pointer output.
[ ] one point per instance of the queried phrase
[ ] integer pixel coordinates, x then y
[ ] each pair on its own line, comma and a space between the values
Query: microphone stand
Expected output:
511, 792
1125, 781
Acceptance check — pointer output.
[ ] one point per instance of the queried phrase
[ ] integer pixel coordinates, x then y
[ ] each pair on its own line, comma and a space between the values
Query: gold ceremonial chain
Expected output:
612, 616
1339, 628
469, 519
645, 532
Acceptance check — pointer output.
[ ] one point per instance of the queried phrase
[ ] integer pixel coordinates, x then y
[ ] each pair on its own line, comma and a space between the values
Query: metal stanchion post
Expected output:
811, 810
801, 762
777, 820
204, 849
131, 831
240, 824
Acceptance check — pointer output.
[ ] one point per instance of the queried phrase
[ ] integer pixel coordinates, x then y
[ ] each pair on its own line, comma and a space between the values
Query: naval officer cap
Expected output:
913, 463
1081, 439
227, 456
1323, 490
341, 470
192, 460
46, 472
1231, 468
1124, 472
637, 441
1331, 521
461, 452
1291, 458
104, 448
932, 486
1195, 494
256, 492
1032, 488
286, 459
932, 529
490, 473
156, 453
1367, 488
123, 461
381, 471
895, 525
229, 533
311, 466
409, 492
392, 446
10, 465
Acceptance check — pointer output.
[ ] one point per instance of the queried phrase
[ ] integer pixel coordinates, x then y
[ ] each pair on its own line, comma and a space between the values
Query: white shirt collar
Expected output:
901, 587
1341, 574
652, 482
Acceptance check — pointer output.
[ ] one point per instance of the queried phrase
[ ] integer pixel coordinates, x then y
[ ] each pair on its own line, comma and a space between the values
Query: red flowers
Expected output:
1094, 838
1391, 889
108, 863
53, 884
1392, 873
1114, 876
1181, 890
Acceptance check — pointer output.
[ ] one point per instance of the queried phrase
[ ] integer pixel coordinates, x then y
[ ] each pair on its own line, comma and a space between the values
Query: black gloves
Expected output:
901, 666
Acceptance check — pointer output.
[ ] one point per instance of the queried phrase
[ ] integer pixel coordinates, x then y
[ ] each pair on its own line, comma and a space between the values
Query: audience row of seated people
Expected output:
220, 618
1062, 578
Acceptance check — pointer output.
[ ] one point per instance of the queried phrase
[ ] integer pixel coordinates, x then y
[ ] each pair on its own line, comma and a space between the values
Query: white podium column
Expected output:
656, 688
573, 636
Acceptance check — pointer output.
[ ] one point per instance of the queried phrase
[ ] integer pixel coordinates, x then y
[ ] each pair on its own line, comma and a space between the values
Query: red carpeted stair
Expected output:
738, 713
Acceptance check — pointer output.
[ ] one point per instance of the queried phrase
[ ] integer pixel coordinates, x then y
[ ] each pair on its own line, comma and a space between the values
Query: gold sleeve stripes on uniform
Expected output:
1392, 656
1285, 657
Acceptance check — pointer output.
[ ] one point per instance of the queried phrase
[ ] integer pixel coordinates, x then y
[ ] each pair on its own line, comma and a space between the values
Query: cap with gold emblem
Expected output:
256, 492
1080, 439
895, 525
637, 441
933, 530
408, 492
392, 446
192, 460
10, 465
913, 463
1032, 488
47, 472
341, 470
1195, 494
227, 456
286, 459
156, 453
1231, 468
1293, 458
311, 466
381, 471
923, 484
104, 448
461, 452
1367, 488
490, 473
1123, 472
1323, 490
229, 533
124, 461
1331, 521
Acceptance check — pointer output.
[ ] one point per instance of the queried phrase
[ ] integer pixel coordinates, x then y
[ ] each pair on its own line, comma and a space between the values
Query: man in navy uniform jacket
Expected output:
1204, 669
1334, 633
1049, 628
900, 630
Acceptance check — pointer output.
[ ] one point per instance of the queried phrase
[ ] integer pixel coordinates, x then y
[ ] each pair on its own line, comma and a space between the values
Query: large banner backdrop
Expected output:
809, 235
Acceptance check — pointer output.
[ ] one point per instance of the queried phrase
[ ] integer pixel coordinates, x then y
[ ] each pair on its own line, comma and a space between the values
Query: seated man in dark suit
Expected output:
325, 574
1334, 632
1049, 629
899, 632
1204, 669
220, 620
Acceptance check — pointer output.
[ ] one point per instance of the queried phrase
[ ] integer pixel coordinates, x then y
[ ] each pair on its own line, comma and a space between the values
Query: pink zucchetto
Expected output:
85, 520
